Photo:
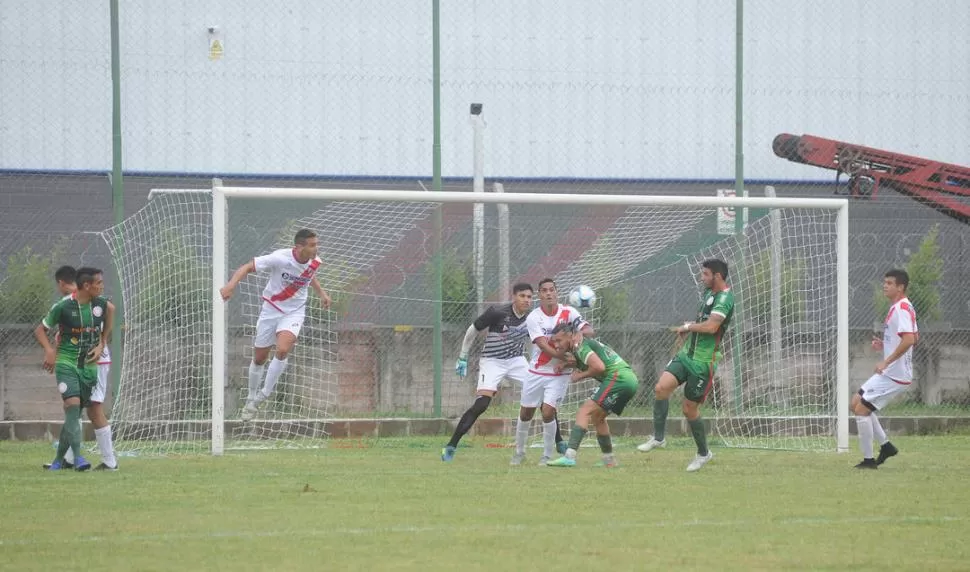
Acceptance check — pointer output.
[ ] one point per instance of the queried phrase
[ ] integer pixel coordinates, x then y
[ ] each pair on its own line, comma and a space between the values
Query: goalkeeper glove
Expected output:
461, 366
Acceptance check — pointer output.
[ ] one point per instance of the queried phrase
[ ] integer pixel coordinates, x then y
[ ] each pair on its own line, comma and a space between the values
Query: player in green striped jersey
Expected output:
695, 363
618, 385
83, 322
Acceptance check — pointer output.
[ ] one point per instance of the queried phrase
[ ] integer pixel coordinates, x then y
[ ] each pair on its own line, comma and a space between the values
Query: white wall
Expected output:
572, 88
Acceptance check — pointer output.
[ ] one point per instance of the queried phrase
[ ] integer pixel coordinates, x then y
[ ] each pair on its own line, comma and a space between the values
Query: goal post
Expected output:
187, 352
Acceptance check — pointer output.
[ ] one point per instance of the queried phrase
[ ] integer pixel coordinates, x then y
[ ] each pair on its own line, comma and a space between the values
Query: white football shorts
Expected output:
548, 389
879, 390
491, 371
100, 390
267, 326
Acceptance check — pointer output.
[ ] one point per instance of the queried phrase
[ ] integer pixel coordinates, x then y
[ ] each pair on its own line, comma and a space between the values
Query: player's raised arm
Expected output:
324, 296
708, 326
545, 344
237, 276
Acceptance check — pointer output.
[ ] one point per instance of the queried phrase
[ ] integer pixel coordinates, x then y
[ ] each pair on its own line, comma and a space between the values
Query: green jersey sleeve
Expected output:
53, 316
723, 304
582, 355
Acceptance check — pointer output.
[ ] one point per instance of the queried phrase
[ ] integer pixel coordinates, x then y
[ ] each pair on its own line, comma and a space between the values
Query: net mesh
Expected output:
370, 354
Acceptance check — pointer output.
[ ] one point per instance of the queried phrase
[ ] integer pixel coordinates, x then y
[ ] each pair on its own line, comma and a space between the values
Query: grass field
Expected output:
393, 505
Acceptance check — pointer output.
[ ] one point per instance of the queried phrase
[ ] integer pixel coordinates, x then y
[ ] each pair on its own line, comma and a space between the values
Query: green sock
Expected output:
72, 418
606, 443
700, 435
576, 437
63, 444
660, 409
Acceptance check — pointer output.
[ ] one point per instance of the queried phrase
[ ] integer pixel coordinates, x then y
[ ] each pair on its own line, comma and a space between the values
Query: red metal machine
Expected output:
935, 184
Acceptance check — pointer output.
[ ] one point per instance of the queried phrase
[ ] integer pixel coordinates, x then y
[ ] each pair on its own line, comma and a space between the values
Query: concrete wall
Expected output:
388, 372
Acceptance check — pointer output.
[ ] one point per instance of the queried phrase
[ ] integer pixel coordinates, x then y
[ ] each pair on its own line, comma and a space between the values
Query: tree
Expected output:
175, 291
612, 304
26, 292
456, 287
925, 269
757, 295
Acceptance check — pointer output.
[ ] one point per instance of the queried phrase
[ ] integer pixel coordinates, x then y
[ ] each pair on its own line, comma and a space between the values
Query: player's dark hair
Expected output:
716, 266
520, 287
85, 276
65, 274
568, 327
303, 235
900, 276
546, 281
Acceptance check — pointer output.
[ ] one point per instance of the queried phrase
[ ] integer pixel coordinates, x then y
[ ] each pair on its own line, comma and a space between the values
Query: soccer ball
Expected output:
582, 297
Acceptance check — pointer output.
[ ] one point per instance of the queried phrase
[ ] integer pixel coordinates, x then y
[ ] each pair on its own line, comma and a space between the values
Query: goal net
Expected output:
780, 384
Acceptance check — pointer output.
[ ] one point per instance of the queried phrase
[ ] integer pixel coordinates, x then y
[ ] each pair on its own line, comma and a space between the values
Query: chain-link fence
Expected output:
576, 97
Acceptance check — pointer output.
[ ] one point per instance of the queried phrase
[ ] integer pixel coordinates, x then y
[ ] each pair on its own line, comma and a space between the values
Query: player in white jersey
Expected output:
548, 377
894, 374
284, 309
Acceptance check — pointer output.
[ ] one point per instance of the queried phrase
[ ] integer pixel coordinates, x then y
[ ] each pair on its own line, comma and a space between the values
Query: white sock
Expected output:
273, 373
877, 431
864, 426
103, 436
570, 453
549, 438
521, 435
255, 379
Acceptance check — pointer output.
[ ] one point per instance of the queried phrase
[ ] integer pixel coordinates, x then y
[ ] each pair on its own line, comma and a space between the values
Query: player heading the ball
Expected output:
618, 384
281, 317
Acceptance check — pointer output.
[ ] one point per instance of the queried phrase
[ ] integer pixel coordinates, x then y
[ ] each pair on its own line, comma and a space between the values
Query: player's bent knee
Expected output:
858, 407
548, 413
260, 355
690, 409
665, 386
96, 415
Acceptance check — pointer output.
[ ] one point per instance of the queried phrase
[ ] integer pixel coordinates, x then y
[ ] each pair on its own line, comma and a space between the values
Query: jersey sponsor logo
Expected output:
85, 330
297, 282
97, 311
300, 280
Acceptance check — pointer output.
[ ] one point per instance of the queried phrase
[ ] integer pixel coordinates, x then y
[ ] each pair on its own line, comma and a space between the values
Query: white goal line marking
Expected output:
496, 528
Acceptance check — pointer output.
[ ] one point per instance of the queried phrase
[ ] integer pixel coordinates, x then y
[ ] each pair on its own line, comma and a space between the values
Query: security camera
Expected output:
476, 109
